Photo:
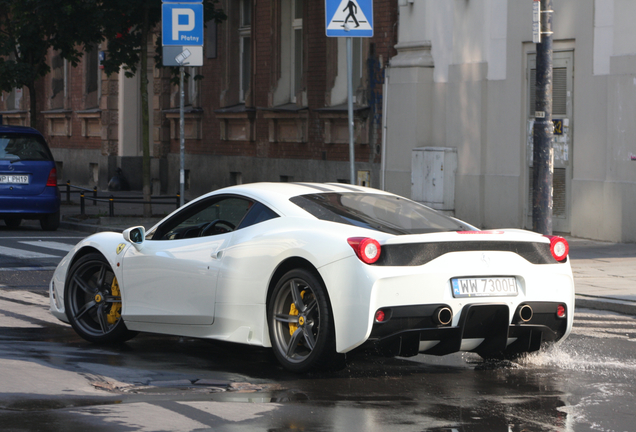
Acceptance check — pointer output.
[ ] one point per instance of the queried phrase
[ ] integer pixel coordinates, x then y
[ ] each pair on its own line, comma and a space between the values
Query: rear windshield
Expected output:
385, 213
21, 147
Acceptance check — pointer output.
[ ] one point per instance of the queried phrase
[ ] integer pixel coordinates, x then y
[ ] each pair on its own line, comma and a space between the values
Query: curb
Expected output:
603, 303
88, 228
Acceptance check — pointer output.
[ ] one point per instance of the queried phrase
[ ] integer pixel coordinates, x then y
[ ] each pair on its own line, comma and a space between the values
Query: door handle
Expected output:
217, 254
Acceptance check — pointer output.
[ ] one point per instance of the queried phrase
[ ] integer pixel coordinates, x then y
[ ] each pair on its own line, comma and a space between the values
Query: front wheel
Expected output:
301, 326
93, 301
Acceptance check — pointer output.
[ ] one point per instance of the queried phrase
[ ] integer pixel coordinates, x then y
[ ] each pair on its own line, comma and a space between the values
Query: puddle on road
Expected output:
561, 388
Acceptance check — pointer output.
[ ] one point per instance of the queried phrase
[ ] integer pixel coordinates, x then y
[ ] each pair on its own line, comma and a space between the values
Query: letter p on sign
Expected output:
177, 27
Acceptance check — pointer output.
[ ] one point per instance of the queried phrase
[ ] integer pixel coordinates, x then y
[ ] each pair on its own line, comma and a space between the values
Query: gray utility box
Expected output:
433, 172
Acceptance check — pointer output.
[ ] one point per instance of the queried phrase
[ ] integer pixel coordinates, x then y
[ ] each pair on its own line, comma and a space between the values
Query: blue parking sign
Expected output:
182, 24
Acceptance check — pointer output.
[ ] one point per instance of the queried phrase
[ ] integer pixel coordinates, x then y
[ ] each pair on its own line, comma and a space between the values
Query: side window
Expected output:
211, 217
257, 214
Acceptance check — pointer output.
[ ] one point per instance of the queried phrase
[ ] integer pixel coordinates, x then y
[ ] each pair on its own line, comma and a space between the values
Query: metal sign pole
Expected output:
350, 105
182, 140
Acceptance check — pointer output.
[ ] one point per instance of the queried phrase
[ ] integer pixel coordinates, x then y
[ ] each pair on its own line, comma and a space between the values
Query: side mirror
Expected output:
135, 235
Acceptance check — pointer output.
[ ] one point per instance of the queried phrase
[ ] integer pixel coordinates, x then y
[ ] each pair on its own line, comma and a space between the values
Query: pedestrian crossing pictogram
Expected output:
349, 18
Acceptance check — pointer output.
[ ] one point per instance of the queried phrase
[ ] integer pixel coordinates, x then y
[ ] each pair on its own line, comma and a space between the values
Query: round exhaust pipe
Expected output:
525, 313
443, 316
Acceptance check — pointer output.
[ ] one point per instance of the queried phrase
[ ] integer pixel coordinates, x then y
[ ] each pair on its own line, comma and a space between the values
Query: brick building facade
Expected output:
271, 105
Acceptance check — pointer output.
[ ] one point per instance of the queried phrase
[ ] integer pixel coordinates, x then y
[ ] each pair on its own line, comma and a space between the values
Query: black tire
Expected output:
50, 222
93, 301
301, 325
13, 222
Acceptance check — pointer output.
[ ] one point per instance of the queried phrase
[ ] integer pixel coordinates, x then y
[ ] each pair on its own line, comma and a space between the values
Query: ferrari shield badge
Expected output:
120, 247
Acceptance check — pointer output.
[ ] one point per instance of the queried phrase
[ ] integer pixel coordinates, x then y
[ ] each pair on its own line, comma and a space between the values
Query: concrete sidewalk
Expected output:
604, 273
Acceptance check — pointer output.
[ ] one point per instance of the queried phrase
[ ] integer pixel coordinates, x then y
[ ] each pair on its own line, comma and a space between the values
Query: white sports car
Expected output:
317, 270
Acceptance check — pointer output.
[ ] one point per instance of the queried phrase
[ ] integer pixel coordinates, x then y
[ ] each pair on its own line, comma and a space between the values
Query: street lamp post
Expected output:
543, 161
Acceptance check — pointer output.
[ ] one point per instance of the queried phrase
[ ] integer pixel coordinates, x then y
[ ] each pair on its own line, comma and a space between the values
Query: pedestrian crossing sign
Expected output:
349, 18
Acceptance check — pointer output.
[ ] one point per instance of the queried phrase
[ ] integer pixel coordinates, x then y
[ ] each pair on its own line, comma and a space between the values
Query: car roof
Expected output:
18, 129
277, 195
285, 190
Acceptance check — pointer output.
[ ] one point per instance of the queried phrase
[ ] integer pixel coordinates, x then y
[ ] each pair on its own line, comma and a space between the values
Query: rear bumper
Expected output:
498, 332
31, 206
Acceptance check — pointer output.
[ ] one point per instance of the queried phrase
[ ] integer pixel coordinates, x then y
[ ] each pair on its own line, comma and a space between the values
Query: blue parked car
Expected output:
28, 179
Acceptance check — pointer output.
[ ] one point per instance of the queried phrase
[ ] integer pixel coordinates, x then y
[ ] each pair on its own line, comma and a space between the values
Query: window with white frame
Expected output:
245, 46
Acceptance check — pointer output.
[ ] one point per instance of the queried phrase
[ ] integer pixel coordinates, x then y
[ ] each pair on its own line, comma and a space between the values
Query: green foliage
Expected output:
29, 28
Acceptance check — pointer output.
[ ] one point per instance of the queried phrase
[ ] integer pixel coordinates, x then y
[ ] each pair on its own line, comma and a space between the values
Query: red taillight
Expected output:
559, 247
561, 311
367, 249
379, 316
52, 180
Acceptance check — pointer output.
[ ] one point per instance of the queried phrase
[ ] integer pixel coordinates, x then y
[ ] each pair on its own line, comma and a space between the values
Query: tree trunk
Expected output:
145, 128
32, 106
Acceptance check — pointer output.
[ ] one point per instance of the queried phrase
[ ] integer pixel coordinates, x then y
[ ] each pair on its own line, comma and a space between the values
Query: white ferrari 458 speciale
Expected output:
318, 270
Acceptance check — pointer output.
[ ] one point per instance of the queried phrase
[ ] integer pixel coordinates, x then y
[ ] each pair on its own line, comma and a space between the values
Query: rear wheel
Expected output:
50, 222
301, 325
93, 301
13, 222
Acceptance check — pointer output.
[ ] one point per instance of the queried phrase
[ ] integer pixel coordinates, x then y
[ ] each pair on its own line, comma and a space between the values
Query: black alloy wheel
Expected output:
93, 301
301, 325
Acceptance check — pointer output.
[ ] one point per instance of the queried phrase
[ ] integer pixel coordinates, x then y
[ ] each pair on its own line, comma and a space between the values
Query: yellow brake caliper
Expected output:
115, 308
293, 311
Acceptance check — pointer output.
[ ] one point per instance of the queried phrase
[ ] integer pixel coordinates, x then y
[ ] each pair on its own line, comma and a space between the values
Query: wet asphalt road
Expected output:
51, 380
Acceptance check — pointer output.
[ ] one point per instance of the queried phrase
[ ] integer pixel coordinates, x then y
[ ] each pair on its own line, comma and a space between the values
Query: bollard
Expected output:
111, 206
95, 195
82, 203
68, 191
178, 200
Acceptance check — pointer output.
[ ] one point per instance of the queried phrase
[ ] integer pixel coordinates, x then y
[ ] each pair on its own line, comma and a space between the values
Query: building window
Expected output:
297, 47
245, 46
356, 65
13, 100
236, 178
59, 77
91, 77
190, 89
339, 89
288, 55
210, 39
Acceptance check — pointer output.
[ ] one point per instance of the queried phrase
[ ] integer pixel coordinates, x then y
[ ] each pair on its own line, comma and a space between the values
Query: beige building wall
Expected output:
460, 80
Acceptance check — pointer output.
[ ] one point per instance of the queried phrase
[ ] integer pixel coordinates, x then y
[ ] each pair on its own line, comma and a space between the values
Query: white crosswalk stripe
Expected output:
19, 253
49, 245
